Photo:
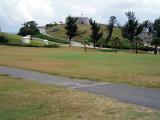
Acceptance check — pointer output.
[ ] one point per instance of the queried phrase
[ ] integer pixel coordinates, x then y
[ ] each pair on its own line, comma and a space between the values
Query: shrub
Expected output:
30, 45
3, 39
52, 46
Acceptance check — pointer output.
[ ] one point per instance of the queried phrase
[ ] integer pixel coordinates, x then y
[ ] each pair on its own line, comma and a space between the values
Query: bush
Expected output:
3, 39
51, 25
145, 48
30, 45
52, 46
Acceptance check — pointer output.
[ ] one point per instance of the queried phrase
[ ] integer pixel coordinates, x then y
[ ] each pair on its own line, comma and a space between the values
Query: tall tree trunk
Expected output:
107, 40
69, 42
136, 47
94, 44
85, 48
116, 47
155, 51
115, 50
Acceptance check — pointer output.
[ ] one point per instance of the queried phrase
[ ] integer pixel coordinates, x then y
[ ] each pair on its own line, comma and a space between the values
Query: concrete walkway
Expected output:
141, 96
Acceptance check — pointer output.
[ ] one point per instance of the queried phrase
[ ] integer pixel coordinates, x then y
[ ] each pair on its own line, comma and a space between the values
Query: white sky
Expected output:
13, 13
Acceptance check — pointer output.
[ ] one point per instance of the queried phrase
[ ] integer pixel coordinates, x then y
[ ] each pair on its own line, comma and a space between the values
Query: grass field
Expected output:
124, 67
86, 29
26, 100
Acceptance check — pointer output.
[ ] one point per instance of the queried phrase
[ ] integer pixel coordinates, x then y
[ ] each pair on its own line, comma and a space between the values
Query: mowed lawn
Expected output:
27, 100
123, 67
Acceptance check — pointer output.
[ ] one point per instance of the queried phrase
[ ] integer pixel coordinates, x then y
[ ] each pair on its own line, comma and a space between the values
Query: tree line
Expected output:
130, 30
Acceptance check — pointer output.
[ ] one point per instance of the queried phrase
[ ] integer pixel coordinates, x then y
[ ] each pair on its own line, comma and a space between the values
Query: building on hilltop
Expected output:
82, 20
146, 36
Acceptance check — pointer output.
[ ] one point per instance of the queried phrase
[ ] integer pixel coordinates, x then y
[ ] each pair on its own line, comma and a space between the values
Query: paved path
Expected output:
141, 96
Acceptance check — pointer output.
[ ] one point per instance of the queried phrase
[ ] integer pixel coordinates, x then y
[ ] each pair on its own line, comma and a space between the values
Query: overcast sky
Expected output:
13, 13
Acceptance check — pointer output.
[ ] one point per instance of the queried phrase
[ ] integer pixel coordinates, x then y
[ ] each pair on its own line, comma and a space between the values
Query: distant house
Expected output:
83, 20
42, 29
146, 36
46, 42
26, 39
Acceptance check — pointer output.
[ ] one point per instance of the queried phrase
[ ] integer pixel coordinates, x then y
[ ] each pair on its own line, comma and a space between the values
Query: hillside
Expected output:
15, 40
11, 37
59, 31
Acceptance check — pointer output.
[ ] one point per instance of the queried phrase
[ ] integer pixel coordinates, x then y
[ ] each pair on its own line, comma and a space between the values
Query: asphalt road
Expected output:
136, 95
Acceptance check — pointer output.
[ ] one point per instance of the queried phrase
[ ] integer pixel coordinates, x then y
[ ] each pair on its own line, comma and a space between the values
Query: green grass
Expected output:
15, 40
12, 37
41, 43
27, 100
41, 36
81, 29
124, 67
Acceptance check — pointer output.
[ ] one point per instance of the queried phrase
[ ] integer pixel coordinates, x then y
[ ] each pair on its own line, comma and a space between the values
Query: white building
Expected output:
146, 36
46, 42
82, 20
26, 39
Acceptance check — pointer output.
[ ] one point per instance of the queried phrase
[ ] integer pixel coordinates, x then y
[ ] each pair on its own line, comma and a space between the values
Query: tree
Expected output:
96, 34
116, 43
148, 25
156, 33
137, 41
3, 38
71, 27
156, 27
156, 42
101, 42
85, 42
29, 28
110, 27
131, 28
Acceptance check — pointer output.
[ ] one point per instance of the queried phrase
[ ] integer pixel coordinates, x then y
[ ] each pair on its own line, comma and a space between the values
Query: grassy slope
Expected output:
81, 28
11, 37
124, 67
26, 100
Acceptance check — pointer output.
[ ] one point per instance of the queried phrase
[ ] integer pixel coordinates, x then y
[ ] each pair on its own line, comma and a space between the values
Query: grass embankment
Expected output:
85, 29
123, 67
16, 41
12, 38
51, 39
26, 100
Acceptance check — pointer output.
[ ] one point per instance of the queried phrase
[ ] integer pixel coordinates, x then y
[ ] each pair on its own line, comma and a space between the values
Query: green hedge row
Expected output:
30, 45
41, 36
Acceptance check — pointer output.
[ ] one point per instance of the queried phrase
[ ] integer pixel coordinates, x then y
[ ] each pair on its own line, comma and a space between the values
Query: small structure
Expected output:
42, 29
82, 20
46, 42
26, 39
56, 30
146, 36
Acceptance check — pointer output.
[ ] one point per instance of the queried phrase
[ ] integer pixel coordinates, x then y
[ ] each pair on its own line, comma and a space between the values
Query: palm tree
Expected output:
137, 41
71, 28
156, 42
116, 43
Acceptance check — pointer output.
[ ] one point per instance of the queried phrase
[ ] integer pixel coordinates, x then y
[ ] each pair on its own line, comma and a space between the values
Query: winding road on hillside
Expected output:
136, 95
73, 43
